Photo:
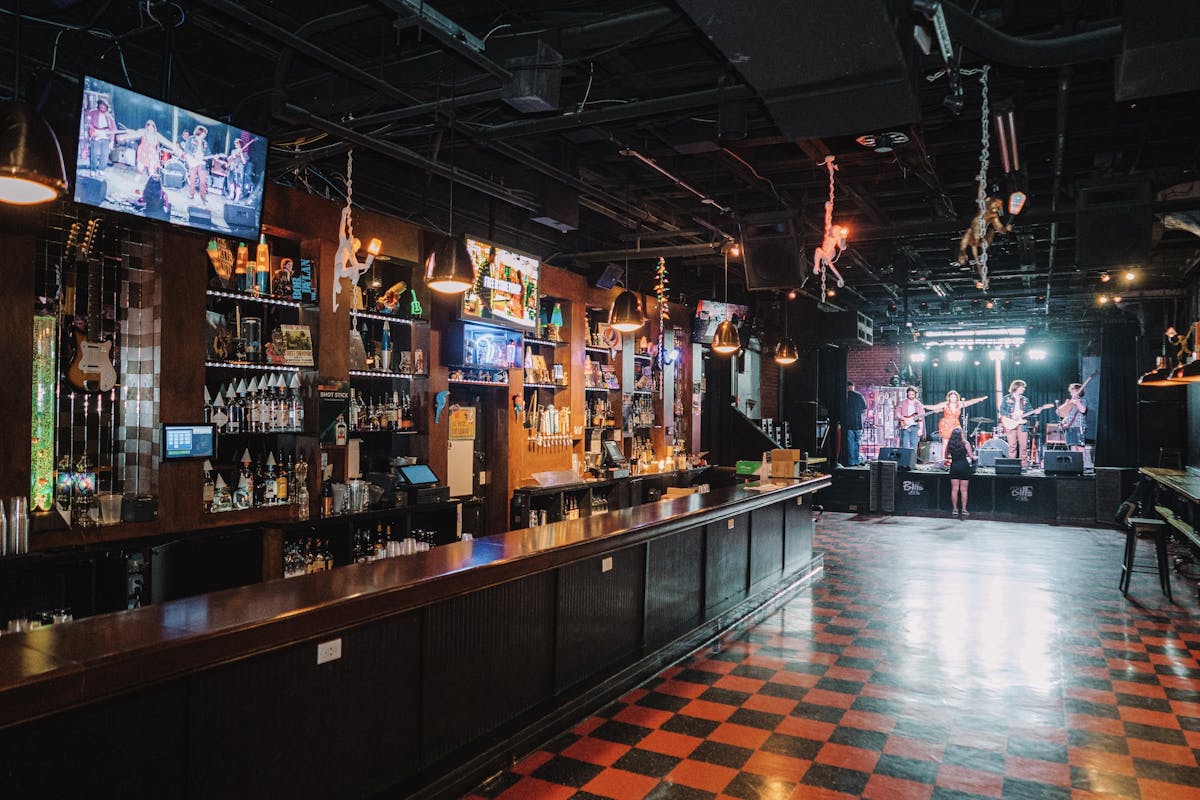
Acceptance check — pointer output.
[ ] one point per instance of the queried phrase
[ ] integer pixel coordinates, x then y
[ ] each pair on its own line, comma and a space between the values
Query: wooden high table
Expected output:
1176, 499
417, 675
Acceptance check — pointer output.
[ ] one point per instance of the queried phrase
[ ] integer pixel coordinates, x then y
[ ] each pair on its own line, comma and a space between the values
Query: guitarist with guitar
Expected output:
1014, 415
910, 416
1072, 412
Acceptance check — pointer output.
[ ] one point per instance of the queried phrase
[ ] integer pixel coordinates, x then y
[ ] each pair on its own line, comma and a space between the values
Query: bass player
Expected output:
910, 416
1072, 424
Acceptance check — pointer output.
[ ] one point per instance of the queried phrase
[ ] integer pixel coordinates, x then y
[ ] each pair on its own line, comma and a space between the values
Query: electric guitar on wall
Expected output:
91, 368
1012, 423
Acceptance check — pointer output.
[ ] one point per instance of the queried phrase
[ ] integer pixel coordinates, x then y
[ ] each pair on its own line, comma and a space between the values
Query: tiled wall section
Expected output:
141, 327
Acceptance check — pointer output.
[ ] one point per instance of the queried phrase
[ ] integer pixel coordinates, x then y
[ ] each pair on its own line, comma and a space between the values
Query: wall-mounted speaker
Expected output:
606, 277
1113, 223
772, 252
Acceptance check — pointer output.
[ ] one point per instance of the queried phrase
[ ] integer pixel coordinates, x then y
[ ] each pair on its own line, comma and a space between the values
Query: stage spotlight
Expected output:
1037, 354
1130, 275
916, 358
989, 305
955, 355
1117, 298
935, 362
792, 295
831, 292
977, 362
996, 355
1105, 277
1102, 299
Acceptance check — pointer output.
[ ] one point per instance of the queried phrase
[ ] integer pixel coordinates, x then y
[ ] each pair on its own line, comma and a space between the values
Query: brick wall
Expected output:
768, 387
872, 366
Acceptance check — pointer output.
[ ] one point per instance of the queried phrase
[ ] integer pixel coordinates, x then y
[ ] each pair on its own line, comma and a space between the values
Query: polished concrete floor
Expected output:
939, 659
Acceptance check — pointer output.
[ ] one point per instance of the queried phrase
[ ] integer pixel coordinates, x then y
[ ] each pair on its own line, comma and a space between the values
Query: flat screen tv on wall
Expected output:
142, 156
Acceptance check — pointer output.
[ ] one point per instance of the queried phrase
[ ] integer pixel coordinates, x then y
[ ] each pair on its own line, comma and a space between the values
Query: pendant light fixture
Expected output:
786, 353
449, 269
726, 340
626, 312
31, 163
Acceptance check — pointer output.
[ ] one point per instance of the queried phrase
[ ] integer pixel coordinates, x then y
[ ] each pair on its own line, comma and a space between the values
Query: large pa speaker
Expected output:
1063, 462
772, 252
90, 191
906, 457
607, 276
1113, 223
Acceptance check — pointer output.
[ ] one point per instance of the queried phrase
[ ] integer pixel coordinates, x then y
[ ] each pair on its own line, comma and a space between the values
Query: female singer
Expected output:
958, 459
951, 408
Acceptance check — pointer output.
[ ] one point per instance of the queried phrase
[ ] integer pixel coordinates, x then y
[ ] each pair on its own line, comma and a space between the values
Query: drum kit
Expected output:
982, 437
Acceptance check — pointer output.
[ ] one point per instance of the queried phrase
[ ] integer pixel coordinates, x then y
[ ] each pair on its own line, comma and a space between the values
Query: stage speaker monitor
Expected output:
606, 277
238, 216
905, 457
91, 191
1008, 466
199, 215
1063, 462
992, 450
1113, 223
771, 251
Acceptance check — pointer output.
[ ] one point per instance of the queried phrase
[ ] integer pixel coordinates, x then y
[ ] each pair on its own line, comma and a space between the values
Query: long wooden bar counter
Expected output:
446, 659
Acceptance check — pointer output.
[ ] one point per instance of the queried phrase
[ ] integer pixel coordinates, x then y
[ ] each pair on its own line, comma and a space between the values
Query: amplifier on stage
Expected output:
1008, 466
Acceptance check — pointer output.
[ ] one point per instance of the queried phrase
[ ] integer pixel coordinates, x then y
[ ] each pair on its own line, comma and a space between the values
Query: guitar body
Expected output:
1011, 424
91, 369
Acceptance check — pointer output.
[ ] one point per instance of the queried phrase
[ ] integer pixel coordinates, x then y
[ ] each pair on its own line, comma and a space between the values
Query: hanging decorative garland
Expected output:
661, 287
834, 243
987, 223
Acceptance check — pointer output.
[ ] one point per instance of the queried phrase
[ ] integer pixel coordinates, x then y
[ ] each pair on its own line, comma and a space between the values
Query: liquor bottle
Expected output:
406, 413
221, 498
208, 408
385, 348
352, 423
260, 484
381, 540
240, 265
282, 481
233, 410
327, 500
262, 263
270, 492
340, 433
219, 416
300, 484
209, 487
243, 495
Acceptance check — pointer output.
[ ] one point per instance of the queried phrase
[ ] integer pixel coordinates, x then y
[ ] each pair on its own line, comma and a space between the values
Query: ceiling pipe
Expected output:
665, 251
680, 182
1060, 147
299, 116
616, 113
450, 34
986, 41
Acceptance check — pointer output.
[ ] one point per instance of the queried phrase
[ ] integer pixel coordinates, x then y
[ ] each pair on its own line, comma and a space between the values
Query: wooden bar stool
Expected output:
1153, 528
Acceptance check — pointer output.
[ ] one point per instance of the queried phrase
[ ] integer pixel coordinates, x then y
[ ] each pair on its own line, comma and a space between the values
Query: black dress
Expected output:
960, 467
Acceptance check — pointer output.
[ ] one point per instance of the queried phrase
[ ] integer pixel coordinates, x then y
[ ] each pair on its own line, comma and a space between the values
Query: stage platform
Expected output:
1032, 496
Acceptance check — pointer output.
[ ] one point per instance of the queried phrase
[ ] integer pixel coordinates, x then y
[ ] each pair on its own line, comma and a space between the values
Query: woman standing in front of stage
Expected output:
958, 458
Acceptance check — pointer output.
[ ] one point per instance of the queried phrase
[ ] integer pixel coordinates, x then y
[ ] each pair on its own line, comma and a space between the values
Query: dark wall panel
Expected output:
917, 491
797, 533
726, 563
131, 747
1075, 499
766, 545
488, 657
674, 586
600, 604
284, 726
1023, 497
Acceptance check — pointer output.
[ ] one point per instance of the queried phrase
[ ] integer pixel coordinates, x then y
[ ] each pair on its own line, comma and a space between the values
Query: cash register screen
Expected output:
612, 453
417, 474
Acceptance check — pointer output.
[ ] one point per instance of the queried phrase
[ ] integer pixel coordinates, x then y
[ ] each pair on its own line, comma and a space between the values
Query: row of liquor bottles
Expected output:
268, 403
378, 543
381, 413
260, 482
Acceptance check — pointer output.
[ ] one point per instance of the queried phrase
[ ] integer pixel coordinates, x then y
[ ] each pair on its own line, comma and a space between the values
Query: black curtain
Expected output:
1116, 430
1046, 380
831, 394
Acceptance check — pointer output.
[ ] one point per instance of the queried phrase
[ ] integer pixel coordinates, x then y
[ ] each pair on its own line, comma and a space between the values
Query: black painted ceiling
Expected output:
419, 100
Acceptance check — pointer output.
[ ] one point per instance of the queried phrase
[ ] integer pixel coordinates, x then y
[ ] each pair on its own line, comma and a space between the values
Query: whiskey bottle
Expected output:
352, 423
209, 490
270, 482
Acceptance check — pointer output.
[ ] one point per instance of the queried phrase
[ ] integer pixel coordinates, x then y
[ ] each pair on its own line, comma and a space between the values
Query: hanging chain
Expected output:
349, 193
829, 165
981, 189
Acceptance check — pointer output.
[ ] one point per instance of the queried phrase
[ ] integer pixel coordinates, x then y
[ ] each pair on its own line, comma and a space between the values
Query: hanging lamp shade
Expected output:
31, 163
786, 353
626, 312
449, 269
726, 339
1159, 376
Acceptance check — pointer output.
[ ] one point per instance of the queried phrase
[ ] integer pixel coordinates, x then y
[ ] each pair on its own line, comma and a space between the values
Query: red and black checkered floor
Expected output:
937, 659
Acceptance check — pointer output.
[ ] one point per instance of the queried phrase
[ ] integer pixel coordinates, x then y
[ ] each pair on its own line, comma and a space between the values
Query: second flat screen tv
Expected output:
145, 157
506, 287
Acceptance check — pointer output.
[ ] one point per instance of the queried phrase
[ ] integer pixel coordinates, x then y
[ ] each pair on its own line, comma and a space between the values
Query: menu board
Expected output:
506, 286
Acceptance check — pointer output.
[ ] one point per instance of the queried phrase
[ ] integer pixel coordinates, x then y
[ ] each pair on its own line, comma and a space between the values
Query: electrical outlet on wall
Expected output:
329, 651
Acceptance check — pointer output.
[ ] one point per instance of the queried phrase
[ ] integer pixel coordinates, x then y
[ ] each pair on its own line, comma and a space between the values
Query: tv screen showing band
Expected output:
146, 157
